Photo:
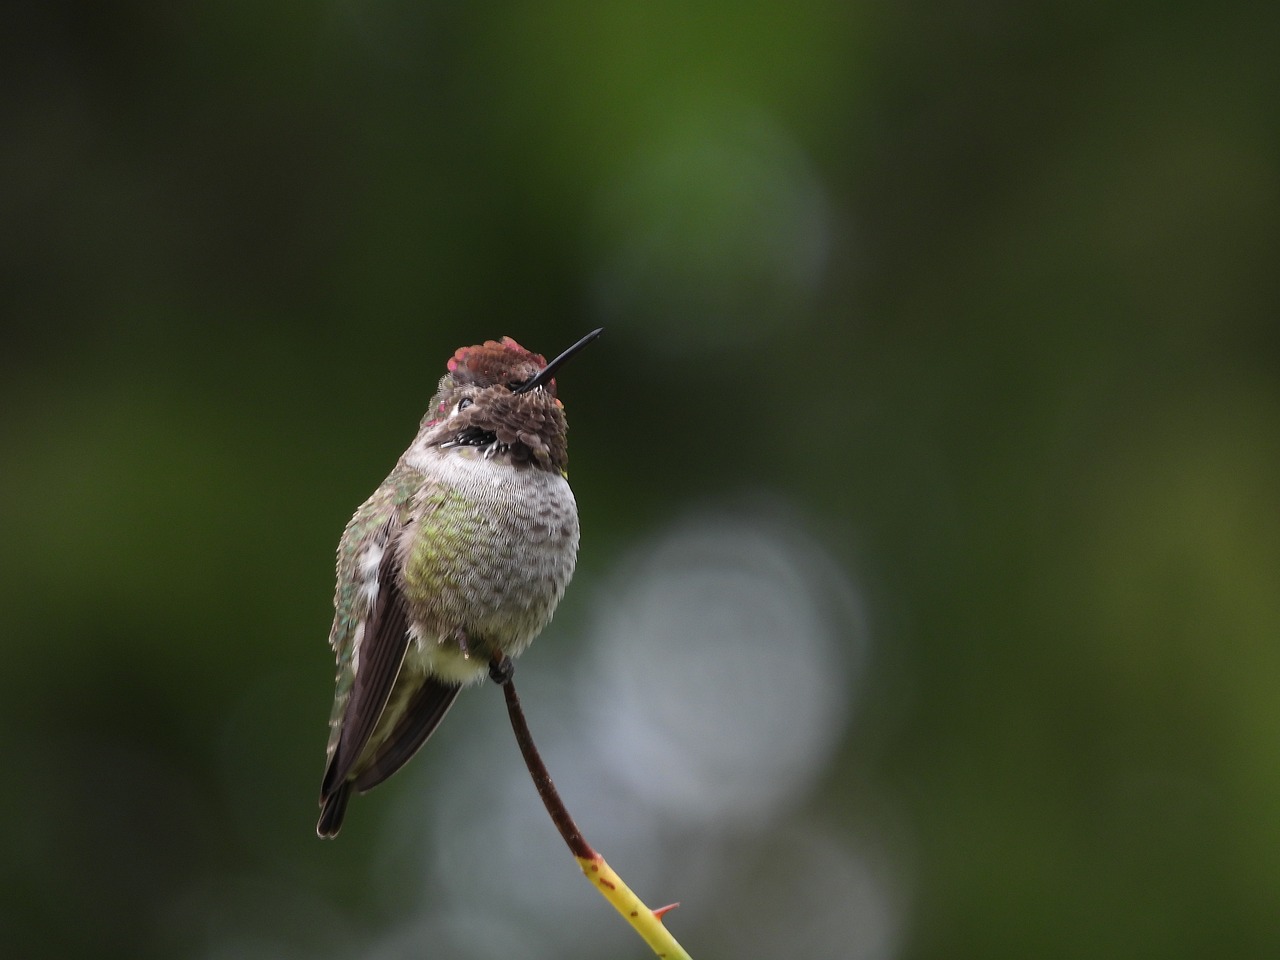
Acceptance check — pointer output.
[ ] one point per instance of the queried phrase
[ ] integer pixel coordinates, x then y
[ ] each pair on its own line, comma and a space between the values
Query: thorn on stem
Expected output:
660, 912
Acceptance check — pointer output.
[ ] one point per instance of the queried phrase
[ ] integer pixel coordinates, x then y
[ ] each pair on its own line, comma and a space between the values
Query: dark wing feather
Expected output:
425, 711
382, 650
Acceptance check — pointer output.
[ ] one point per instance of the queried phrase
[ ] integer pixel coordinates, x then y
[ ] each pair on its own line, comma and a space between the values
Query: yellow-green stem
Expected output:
646, 922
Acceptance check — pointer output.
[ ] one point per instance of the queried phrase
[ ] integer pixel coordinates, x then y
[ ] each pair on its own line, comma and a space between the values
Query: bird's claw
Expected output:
501, 667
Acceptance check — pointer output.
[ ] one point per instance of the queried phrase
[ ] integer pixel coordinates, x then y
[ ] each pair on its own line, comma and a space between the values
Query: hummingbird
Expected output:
461, 554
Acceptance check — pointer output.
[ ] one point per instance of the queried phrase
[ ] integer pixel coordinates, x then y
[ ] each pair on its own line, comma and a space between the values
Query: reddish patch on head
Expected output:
494, 362
510, 344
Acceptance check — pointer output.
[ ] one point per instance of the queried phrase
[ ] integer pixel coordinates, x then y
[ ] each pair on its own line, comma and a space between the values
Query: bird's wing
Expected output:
424, 713
371, 634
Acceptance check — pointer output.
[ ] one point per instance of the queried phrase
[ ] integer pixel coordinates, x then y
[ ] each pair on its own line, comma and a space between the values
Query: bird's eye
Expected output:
464, 403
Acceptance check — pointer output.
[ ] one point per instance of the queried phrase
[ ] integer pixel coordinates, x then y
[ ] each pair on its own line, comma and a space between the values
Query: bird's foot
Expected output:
501, 668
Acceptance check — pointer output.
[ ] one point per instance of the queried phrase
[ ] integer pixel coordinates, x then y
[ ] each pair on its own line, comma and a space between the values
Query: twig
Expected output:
647, 922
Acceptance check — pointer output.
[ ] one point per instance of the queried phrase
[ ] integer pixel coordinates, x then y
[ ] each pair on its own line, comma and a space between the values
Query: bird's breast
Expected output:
490, 550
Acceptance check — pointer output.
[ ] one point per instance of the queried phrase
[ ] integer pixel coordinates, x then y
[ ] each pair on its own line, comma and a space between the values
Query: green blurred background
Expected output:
948, 330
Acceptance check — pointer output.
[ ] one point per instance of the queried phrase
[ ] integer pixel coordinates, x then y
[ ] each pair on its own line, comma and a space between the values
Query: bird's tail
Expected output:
333, 807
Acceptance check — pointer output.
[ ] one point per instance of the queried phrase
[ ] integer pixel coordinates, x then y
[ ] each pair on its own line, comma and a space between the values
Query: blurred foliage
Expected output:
985, 295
